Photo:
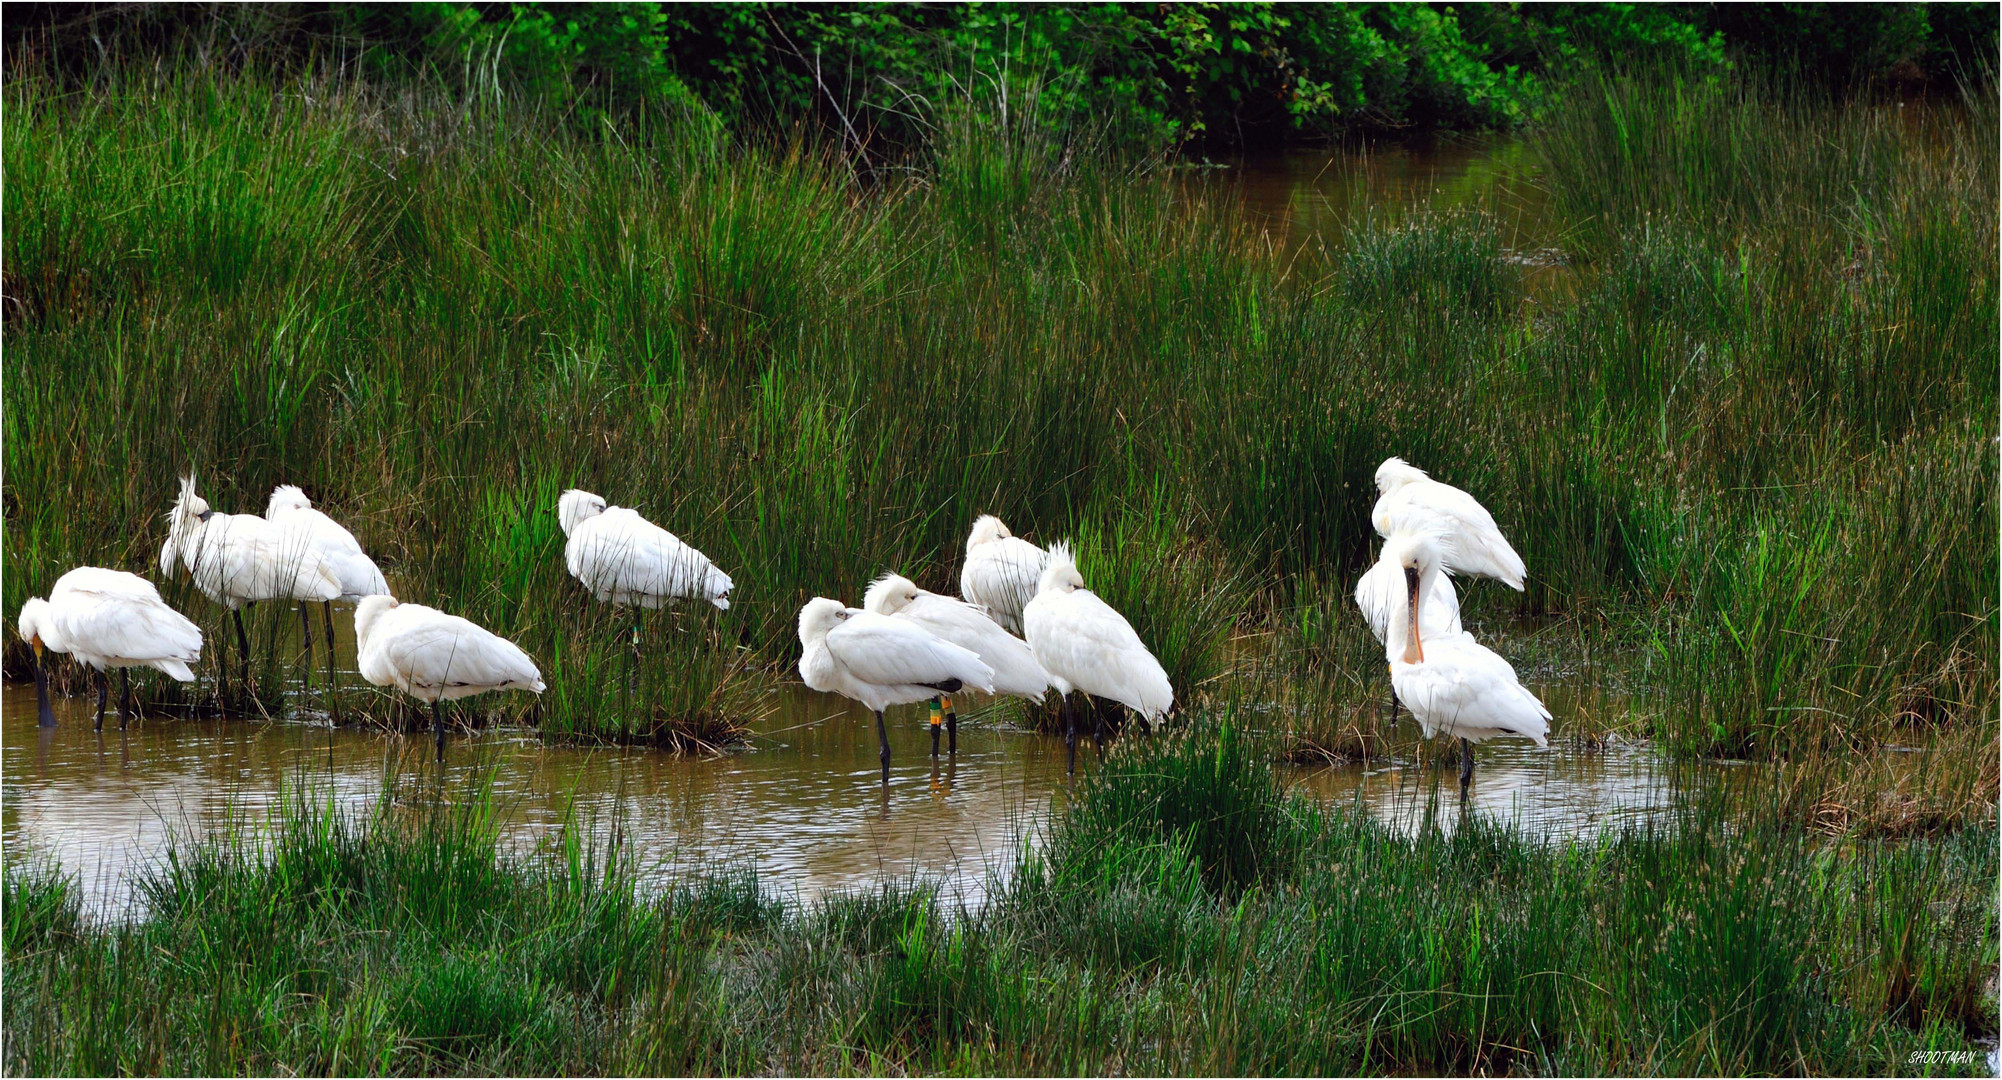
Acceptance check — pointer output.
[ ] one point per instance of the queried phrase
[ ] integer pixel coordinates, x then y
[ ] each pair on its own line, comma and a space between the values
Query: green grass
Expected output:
1181, 916
1747, 452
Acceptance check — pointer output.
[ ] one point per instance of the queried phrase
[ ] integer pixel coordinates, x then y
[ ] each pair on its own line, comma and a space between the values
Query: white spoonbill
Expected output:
625, 559
1001, 571
357, 573
1470, 541
436, 657
238, 559
1083, 643
1015, 669
880, 661
1450, 682
108, 619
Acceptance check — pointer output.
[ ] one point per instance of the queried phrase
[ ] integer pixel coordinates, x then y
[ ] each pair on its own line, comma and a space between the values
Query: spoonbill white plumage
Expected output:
1469, 540
1001, 571
880, 661
337, 547
625, 559
1450, 682
436, 657
950, 619
238, 559
1083, 643
108, 619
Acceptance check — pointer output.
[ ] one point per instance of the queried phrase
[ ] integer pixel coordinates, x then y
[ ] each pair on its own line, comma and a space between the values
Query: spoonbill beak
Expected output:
44, 716
1411, 586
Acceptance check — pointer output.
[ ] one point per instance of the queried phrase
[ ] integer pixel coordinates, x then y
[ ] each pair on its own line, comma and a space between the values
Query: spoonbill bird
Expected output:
1001, 571
1470, 542
108, 619
1015, 669
1083, 643
880, 661
357, 573
436, 657
628, 561
1449, 681
238, 559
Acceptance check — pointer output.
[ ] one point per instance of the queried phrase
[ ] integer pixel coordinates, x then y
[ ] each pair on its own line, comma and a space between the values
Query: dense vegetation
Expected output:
1745, 442
1183, 918
875, 75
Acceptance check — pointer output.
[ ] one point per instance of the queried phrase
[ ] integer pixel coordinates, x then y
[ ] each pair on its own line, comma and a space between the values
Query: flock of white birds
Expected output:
1024, 622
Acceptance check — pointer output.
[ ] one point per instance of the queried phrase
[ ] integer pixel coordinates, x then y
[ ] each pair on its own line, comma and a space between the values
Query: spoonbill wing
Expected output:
433, 651
883, 651
622, 557
1466, 689
1474, 543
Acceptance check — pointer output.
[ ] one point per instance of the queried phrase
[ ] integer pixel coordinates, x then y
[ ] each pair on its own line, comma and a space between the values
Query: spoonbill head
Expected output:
574, 507
184, 520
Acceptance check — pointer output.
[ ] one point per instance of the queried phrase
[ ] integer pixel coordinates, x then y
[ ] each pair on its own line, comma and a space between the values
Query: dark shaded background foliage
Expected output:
1151, 74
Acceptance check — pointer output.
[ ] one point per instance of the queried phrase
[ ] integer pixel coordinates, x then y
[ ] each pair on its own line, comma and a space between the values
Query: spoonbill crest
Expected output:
1469, 540
1084, 644
436, 657
880, 661
1015, 669
1451, 683
1001, 571
108, 619
238, 559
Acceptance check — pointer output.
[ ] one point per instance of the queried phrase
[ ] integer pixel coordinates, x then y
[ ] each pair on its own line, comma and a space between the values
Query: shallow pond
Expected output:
803, 805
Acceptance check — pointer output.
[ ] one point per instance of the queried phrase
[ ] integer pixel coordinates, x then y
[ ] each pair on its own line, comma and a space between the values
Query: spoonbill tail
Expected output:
880, 661
238, 559
1001, 571
108, 619
1451, 683
436, 657
1015, 669
1083, 643
337, 547
1469, 540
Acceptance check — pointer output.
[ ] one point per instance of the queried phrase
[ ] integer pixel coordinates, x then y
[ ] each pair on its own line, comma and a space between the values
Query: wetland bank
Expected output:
1746, 445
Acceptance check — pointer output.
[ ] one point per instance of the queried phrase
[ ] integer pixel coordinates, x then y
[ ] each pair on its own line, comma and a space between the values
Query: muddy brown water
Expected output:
803, 805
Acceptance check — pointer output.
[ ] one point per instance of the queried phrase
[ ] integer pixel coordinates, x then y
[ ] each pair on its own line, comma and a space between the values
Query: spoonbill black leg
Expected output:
1070, 736
883, 744
242, 653
103, 692
937, 719
124, 697
951, 727
333, 695
1466, 766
